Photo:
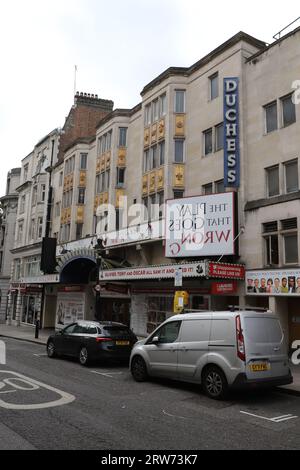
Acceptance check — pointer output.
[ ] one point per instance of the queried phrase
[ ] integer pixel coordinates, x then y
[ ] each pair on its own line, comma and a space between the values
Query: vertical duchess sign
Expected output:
231, 133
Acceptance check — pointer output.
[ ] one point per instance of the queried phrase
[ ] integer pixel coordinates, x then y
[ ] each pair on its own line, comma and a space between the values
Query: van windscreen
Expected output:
262, 330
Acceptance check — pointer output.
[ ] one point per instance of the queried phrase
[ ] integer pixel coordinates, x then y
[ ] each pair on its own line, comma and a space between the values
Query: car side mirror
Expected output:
155, 340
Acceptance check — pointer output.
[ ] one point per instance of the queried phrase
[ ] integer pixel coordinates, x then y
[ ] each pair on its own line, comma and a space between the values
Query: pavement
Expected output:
27, 333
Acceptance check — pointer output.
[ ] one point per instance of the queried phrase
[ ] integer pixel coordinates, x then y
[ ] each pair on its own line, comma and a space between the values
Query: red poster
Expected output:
220, 288
226, 271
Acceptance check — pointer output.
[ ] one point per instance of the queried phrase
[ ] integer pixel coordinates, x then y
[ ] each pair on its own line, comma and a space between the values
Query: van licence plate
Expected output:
122, 343
260, 367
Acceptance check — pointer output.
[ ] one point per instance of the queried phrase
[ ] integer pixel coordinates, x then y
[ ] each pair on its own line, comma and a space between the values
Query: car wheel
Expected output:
83, 356
51, 349
214, 383
139, 369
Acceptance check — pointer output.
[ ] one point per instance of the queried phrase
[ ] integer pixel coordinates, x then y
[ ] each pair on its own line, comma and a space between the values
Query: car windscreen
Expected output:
116, 330
262, 330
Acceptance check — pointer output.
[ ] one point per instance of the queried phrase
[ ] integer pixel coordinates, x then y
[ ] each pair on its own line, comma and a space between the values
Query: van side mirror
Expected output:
155, 340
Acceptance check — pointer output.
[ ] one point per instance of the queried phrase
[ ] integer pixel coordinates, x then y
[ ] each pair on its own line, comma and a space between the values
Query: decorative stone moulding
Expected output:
153, 133
122, 157
161, 129
98, 165
152, 183
180, 125
145, 185
160, 178
105, 198
178, 176
147, 137
119, 194
82, 178
80, 214
102, 163
107, 160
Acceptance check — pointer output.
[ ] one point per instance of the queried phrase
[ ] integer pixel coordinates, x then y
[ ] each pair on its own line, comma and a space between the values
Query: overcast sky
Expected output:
118, 46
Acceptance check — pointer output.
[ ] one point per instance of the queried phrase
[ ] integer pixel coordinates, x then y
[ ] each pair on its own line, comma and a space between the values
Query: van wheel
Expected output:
139, 369
214, 383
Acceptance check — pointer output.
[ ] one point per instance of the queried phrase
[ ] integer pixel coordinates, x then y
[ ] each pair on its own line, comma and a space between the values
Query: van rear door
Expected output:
266, 355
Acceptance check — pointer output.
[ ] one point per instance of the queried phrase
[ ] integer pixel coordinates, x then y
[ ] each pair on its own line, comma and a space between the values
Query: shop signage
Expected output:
281, 282
226, 271
231, 133
200, 226
178, 278
154, 272
46, 279
221, 288
71, 289
134, 234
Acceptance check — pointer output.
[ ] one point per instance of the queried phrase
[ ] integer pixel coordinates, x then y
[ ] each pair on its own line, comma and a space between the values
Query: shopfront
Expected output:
152, 289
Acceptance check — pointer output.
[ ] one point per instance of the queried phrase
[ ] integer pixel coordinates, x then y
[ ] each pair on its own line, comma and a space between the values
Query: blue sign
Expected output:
231, 133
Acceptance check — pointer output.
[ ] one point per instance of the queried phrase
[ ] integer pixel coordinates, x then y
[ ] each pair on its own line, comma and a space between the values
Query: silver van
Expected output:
219, 350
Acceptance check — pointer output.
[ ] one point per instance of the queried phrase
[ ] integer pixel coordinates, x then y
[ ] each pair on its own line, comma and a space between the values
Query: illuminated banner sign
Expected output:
282, 282
231, 133
200, 226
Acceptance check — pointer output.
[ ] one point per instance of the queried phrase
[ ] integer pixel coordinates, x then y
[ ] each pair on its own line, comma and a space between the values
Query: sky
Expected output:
118, 46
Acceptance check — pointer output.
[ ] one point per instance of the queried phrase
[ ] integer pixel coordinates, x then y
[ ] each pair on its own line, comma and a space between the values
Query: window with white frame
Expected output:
179, 101
291, 176
40, 227
272, 174
122, 136
147, 115
219, 137
83, 161
214, 86
43, 192
179, 150
208, 141
289, 234
271, 123
162, 105
154, 110
288, 110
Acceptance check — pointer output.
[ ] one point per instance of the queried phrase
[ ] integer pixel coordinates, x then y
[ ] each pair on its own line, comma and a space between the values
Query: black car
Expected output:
91, 340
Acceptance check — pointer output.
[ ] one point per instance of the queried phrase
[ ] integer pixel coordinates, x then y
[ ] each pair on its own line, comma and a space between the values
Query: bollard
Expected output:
37, 327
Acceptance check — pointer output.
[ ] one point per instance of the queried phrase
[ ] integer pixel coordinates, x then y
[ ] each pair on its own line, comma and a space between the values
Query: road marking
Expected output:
106, 374
65, 398
173, 416
40, 355
277, 419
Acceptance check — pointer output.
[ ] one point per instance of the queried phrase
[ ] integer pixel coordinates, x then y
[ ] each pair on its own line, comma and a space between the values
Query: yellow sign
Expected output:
181, 301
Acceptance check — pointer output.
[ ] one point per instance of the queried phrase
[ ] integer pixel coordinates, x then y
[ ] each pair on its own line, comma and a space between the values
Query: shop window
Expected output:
159, 309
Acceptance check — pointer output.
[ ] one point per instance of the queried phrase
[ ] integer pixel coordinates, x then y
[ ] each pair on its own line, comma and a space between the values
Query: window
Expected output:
43, 192
271, 117
219, 186
34, 196
179, 151
147, 114
57, 209
153, 157
178, 194
25, 172
79, 231
290, 249
120, 176
32, 229
22, 204
291, 176
290, 240
161, 149
288, 111
154, 110
169, 332
60, 178
145, 204
17, 269
160, 201
107, 179
40, 227
270, 235
146, 161
180, 101
207, 135
122, 136
207, 188
83, 161
162, 105
81, 195
273, 181
214, 86
20, 232
219, 137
